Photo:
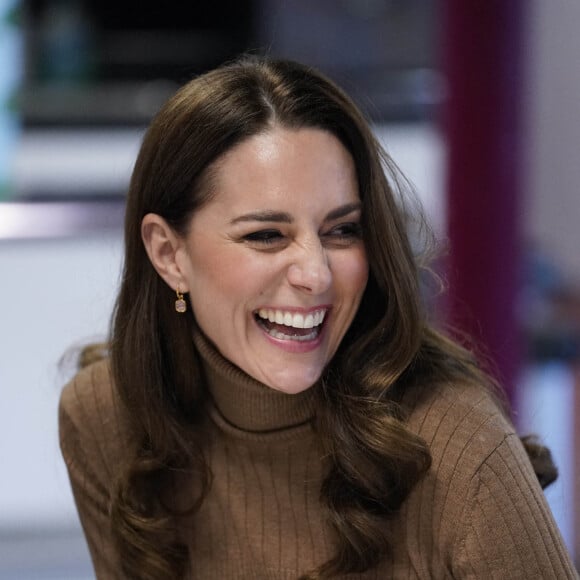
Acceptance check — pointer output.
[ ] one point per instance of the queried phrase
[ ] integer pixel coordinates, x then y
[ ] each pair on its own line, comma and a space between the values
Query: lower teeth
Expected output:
276, 334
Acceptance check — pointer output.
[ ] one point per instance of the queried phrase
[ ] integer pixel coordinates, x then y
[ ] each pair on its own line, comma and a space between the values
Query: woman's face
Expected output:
274, 263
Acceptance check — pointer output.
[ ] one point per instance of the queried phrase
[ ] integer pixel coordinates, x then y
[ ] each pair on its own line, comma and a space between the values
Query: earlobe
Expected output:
163, 245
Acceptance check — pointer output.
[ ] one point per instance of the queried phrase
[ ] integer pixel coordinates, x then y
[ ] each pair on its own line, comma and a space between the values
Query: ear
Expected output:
164, 246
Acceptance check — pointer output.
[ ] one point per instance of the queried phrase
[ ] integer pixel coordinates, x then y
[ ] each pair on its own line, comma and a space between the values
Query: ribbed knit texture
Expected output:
479, 512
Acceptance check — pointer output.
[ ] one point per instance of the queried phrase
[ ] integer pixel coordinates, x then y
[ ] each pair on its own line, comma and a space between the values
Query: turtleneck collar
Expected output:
246, 404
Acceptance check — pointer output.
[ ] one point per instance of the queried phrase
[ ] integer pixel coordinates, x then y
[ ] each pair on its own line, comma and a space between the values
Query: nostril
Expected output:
313, 279
310, 268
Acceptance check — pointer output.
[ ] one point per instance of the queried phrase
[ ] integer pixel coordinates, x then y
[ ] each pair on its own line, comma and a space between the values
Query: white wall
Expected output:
553, 136
54, 294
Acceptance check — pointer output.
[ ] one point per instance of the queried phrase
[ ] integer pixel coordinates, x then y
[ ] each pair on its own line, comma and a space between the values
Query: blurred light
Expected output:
56, 220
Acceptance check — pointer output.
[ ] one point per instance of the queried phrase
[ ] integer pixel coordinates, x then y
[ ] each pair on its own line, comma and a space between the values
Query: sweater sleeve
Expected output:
507, 529
83, 427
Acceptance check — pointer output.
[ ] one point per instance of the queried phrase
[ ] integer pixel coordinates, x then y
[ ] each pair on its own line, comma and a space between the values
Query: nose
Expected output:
310, 269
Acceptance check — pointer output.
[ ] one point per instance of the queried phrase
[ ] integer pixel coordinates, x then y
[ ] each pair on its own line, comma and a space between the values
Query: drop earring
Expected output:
180, 303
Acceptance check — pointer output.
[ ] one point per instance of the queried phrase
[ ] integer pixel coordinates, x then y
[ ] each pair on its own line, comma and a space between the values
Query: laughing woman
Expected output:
274, 403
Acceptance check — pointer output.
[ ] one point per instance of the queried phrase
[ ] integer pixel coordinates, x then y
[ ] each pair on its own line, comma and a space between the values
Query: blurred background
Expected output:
477, 102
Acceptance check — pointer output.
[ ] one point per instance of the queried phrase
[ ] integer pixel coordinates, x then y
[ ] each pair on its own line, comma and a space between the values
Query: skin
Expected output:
281, 235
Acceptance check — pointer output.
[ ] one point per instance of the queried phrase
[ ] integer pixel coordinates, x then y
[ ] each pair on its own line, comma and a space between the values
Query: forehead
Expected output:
285, 165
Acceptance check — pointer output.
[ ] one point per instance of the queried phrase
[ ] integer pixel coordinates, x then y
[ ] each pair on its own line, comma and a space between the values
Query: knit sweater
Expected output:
479, 513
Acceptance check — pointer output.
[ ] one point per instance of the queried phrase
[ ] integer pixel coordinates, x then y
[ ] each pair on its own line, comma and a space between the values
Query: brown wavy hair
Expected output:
374, 460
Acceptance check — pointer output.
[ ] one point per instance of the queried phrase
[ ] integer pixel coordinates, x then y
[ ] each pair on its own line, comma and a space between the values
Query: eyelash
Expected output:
346, 232
263, 236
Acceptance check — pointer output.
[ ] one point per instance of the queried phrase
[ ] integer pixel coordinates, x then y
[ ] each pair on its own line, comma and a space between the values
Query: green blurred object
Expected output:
11, 65
66, 56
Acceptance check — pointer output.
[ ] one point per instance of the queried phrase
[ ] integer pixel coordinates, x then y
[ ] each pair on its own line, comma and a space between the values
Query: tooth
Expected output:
299, 338
298, 321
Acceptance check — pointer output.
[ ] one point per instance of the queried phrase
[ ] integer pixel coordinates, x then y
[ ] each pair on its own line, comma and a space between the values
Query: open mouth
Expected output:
285, 325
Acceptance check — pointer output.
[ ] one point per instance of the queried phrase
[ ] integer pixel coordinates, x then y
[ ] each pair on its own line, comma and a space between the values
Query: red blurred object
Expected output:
482, 61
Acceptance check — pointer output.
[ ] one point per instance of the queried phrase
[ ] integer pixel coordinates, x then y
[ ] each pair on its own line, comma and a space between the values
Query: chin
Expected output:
291, 389
293, 386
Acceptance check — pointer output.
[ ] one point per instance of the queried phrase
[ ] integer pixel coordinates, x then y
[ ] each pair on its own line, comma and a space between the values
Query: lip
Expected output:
296, 309
294, 346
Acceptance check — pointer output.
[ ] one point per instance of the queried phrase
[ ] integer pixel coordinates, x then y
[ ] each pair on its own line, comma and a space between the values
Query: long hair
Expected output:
374, 460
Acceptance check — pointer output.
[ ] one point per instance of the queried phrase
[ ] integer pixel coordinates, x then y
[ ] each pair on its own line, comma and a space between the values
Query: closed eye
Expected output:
264, 237
345, 233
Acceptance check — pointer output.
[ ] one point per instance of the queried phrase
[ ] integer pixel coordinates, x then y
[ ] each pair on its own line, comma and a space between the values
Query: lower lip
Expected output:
294, 346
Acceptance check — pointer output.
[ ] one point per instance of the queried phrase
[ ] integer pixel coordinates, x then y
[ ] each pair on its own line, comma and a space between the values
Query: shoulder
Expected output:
463, 424
468, 433
89, 399
94, 442
470, 439
91, 419
91, 387
481, 498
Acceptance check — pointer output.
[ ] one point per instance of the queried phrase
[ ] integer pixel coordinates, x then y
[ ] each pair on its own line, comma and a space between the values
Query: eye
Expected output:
344, 234
264, 237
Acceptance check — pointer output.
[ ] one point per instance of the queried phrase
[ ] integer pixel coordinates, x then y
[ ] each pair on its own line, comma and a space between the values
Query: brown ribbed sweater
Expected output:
479, 512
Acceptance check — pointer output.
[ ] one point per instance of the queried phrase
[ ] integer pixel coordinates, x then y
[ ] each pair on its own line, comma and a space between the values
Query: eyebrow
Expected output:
286, 218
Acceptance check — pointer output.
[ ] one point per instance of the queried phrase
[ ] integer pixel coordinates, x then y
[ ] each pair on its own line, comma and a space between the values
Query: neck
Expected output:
247, 404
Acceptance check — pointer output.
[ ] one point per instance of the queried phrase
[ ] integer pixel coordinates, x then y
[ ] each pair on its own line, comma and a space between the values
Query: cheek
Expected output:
354, 271
230, 275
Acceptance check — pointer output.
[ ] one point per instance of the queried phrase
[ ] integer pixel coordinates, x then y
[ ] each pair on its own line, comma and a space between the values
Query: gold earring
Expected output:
180, 303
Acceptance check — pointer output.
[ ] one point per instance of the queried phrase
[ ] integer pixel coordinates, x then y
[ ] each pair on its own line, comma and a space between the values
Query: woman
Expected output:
275, 404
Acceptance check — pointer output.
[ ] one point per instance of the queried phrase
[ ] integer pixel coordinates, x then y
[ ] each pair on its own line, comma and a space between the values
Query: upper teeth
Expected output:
294, 319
